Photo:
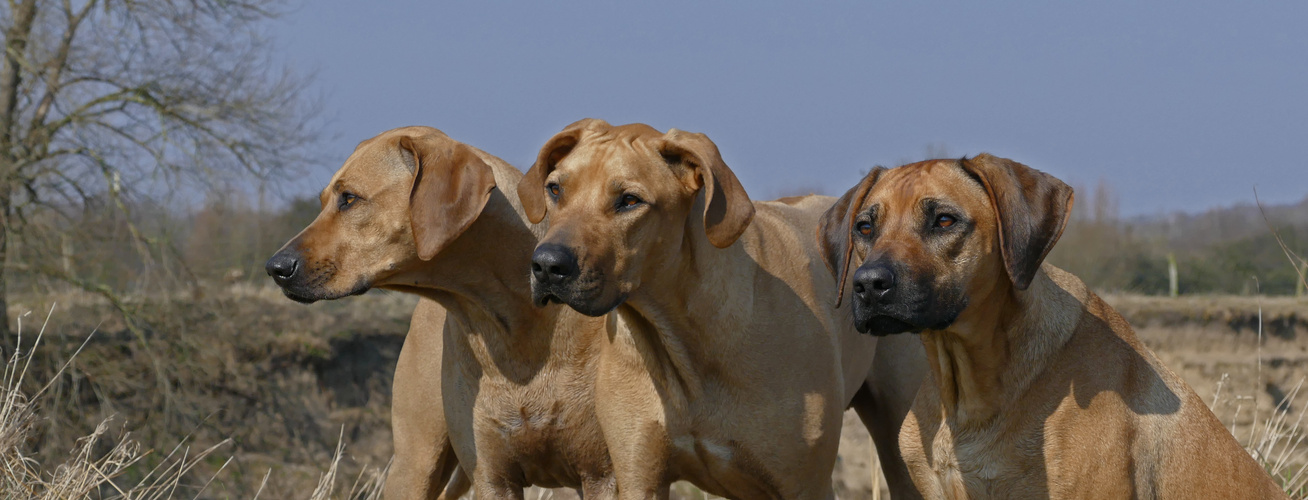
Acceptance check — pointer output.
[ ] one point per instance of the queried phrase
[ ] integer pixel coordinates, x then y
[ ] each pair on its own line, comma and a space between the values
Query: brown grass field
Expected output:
241, 393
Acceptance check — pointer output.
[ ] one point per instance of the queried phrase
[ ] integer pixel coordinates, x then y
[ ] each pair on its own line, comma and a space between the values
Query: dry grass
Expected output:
368, 485
104, 467
279, 379
1208, 309
85, 473
1275, 437
1276, 443
252, 345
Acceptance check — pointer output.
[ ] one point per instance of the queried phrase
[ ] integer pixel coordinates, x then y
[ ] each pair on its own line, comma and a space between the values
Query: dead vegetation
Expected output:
245, 394
281, 384
85, 472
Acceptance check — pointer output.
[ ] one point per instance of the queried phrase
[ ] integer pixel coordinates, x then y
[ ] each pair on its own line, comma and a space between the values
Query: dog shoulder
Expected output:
1121, 384
798, 214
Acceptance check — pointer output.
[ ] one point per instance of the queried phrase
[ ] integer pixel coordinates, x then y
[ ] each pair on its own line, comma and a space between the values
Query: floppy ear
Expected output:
835, 232
450, 187
1031, 208
531, 190
727, 209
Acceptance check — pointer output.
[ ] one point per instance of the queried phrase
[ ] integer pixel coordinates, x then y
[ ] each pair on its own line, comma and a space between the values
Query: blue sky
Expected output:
1178, 105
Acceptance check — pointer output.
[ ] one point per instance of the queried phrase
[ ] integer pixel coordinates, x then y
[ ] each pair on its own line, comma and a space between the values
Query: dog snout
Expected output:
874, 283
553, 264
282, 267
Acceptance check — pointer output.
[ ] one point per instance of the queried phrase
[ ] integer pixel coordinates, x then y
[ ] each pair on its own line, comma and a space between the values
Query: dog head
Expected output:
930, 236
621, 201
400, 199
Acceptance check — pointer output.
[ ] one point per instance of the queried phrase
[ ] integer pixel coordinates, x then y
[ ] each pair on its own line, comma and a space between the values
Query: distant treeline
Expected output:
156, 248
1222, 251
227, 239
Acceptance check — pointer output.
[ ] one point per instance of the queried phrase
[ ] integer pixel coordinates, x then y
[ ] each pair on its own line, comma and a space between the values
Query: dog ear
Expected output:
835, 232
531, 190
450, 187
1031, 208
727, 208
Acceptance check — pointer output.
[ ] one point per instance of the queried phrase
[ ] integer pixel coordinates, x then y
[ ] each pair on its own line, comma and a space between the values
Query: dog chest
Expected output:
946, 461
543, 432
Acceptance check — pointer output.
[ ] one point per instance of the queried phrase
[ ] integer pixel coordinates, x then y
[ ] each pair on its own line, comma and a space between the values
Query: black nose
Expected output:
873, 282
282, 267
553, 264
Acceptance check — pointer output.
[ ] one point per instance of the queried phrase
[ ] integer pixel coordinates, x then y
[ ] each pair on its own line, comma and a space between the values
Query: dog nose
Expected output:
873, 282
553, 264
282, 267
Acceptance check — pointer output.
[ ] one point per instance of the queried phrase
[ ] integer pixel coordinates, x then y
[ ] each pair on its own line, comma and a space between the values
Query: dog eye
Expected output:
553, 189
347, 199
628, 201
945, 220
864, 228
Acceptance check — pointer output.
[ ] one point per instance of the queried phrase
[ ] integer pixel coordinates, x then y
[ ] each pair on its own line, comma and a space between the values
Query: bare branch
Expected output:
113, 107
11, 77
54, 68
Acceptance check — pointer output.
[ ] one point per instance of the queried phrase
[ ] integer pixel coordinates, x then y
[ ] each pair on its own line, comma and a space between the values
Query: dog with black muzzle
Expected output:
1038, 389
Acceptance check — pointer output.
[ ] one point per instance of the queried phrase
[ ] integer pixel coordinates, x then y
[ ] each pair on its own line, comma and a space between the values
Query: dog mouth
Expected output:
881, 325
588, 302
303, 299
936, 311
547, 299
303, 296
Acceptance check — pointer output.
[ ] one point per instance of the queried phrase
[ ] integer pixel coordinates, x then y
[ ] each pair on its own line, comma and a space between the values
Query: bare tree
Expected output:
103, 102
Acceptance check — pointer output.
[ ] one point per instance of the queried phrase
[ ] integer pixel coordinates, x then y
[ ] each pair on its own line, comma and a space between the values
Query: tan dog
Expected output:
735, 371
1038, 388
415, 211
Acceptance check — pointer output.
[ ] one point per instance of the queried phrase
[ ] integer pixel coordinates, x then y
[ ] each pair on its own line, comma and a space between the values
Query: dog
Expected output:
485, 380
734, 370
1038, 389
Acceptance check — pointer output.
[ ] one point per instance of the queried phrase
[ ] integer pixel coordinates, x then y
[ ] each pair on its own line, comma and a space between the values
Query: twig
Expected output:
1300, 267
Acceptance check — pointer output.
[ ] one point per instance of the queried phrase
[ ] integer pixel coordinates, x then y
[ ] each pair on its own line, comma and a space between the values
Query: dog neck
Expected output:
685, 329
481, 277
988, 358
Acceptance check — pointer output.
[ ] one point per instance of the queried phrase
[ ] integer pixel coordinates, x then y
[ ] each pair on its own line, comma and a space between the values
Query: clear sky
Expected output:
1179, 105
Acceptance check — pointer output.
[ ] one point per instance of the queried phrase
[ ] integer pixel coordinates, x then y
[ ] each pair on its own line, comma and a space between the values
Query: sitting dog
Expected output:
1038, 389
505, 387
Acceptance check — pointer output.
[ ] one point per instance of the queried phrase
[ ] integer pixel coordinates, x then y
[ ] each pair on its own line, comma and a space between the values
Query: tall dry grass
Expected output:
1275, 439
368, 485
1276, 443
105, 467
86, 472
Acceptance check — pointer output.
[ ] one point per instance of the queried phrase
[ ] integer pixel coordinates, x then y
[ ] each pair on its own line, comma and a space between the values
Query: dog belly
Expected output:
721, 469
736, 467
